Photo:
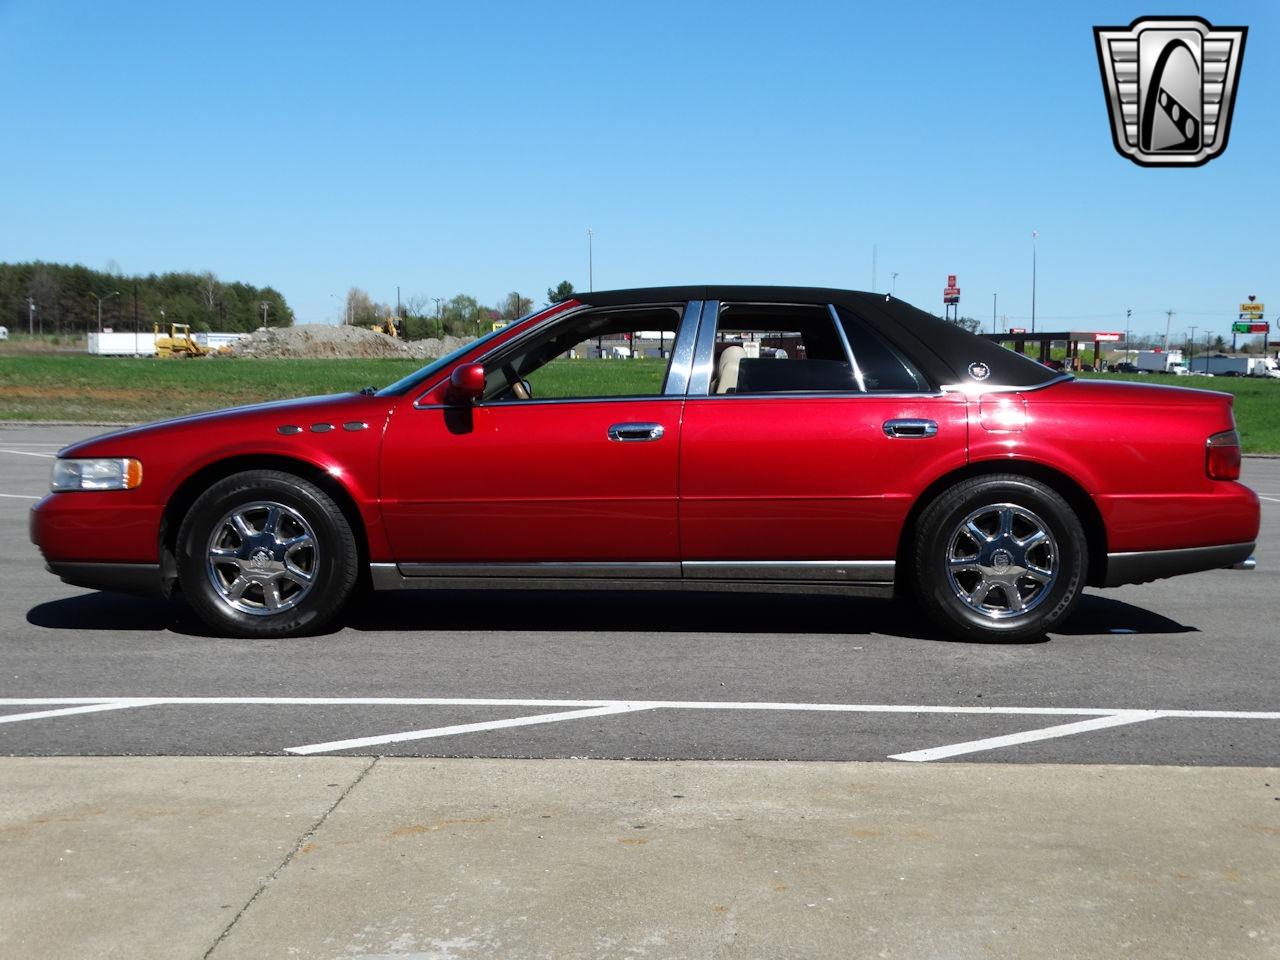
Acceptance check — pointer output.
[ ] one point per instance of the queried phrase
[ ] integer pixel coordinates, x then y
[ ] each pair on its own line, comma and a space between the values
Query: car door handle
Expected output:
918, 429
636, 432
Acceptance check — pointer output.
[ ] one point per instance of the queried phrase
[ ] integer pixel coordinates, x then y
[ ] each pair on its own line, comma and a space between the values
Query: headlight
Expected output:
121, 473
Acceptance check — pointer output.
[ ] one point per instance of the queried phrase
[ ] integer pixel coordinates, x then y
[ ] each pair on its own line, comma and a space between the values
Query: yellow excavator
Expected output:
387, 326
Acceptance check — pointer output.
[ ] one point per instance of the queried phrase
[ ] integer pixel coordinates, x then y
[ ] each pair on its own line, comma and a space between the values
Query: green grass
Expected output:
1257, 403
598, 378
119, 390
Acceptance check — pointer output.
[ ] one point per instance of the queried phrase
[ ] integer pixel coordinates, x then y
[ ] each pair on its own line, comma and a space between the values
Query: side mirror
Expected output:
466, 383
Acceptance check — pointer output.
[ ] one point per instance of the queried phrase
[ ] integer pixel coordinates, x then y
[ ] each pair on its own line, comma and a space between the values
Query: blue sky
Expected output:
467, 147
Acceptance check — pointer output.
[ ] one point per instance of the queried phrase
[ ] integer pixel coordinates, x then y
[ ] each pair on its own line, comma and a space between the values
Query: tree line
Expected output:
418, 316
57, 298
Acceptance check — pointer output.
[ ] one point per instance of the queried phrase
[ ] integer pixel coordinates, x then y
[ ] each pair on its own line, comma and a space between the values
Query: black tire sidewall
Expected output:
337, 570
940, 520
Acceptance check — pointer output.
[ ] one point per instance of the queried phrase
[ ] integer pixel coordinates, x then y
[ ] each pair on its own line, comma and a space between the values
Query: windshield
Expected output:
406, 383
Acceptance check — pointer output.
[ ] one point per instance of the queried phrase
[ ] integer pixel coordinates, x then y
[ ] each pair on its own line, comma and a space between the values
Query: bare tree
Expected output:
210, 291
361, 309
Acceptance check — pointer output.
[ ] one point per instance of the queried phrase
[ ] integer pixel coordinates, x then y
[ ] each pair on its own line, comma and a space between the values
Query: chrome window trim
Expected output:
704, 350
848, 350
682, 351
820, 395
977, 388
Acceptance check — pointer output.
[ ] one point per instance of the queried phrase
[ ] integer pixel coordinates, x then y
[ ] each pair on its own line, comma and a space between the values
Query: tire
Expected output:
265, 554
999, 558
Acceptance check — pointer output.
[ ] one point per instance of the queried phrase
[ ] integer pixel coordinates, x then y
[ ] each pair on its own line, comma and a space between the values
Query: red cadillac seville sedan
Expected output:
773, 438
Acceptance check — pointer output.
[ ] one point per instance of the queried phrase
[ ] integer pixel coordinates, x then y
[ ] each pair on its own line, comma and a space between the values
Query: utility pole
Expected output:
264, 306
1127, 315
894, 288
993, 312
1035, 235
1168, 321
874, 251
591, 280
1191, 348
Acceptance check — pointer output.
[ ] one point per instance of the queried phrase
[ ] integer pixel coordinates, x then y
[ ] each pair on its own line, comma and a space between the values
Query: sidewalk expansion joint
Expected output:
293, 852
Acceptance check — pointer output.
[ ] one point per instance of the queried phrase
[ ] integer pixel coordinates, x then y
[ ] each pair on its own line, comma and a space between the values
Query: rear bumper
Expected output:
139, 578
1146, 565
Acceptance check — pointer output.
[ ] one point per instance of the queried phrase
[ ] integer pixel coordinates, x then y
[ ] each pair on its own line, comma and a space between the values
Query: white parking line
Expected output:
462, 728
1027, 736
29, 453
1100, 717
1272, 499
18, 496
68, 711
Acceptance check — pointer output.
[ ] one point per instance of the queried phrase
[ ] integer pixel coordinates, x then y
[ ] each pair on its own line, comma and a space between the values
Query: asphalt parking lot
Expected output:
1180, 672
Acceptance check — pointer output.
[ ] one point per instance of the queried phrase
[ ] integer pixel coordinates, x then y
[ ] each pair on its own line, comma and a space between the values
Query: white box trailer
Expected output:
1160, 361
123, 344
1221, 365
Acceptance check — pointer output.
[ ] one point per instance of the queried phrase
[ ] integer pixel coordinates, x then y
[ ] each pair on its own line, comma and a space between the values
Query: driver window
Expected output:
600, 353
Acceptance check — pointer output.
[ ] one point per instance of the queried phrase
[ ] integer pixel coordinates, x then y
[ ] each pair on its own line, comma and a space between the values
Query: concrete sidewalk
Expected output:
358, 858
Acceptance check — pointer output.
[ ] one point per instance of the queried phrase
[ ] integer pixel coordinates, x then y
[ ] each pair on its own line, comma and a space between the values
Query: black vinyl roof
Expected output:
943, 351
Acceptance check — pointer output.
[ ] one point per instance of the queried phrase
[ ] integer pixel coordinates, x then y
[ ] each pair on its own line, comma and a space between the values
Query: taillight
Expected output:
1222, 456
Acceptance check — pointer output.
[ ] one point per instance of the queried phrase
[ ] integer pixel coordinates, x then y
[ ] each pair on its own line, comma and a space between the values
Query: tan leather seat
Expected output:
727, 371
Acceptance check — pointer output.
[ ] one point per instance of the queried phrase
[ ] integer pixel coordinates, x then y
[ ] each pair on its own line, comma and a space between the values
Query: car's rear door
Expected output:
573, 478
806, 475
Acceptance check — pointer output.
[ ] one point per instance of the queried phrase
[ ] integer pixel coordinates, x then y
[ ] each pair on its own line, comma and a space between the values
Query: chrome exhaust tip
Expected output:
1246, 564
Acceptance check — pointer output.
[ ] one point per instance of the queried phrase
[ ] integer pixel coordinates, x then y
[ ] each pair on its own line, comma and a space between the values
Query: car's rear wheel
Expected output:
266, 554
1000, 558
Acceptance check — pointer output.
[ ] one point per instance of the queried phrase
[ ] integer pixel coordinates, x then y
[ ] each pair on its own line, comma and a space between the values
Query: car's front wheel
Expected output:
999, 558
266, 554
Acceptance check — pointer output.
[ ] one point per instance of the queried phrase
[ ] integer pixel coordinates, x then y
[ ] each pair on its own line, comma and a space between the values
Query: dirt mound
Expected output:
313, 340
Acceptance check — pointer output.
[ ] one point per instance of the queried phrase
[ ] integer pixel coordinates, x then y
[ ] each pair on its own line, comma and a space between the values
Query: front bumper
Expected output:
140, 578
1144, 566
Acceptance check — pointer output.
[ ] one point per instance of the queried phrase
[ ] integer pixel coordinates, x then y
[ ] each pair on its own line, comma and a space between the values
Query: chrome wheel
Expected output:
1002, 561
262, 558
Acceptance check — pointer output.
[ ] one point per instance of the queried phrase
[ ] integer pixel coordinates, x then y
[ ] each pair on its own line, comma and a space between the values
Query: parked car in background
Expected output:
883, 451
1126, 366
4, 333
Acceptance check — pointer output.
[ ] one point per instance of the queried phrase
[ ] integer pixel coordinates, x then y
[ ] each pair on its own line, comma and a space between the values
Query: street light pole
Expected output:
114, 293
590, 261
993, 312
1191, 348
1168, 320
894, 286
1035, 235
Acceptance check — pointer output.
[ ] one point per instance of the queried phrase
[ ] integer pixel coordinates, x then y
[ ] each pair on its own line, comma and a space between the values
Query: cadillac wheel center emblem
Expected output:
1170, 84
979, 371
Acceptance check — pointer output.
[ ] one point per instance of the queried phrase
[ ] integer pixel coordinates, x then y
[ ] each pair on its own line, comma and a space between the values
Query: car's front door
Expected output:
568, 460
806, 440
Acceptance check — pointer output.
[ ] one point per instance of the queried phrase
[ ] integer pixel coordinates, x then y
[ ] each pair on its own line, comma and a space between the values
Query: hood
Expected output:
320, 407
